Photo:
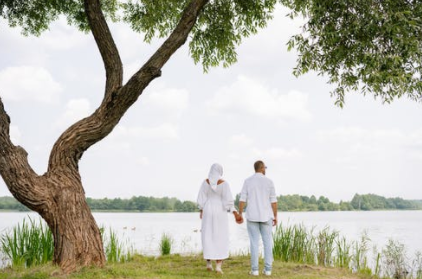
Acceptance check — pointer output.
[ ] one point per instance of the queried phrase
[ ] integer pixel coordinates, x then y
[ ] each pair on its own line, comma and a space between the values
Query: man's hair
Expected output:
258, 165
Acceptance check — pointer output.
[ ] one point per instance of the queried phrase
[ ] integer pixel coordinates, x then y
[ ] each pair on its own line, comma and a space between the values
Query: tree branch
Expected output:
176, 39
20, 178
106, 46
71, 145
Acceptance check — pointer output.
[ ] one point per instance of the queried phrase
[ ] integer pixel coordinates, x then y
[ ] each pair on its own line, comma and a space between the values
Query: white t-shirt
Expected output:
258, 192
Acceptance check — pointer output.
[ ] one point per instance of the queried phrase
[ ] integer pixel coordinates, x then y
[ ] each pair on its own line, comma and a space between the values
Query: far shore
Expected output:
136, 211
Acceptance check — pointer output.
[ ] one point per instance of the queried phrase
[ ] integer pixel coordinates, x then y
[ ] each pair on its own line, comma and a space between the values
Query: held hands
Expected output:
238, 217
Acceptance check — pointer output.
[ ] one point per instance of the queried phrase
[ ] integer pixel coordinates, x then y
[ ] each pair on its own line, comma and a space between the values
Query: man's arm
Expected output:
274, 207
241, 207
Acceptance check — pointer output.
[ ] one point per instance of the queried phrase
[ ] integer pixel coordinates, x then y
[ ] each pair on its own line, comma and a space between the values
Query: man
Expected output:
258, 193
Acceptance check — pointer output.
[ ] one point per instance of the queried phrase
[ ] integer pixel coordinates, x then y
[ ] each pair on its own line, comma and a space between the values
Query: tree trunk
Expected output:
60, 200
77, 239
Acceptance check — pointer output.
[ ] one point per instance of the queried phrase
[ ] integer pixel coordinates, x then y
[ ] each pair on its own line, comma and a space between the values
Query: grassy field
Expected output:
175, 266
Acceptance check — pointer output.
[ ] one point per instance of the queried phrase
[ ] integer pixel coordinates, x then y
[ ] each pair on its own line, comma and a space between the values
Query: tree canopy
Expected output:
373, 46
218, 31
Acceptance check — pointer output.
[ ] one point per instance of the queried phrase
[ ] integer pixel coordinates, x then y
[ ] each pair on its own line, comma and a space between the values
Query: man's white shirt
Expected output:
258, 192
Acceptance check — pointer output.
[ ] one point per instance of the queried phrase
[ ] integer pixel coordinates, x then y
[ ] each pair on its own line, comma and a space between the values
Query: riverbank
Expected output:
176, 266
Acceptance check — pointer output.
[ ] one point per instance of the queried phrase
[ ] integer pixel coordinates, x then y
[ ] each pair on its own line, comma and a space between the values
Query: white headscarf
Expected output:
215, 174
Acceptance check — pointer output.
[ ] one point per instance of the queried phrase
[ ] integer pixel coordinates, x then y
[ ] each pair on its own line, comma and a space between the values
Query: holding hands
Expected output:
238, 217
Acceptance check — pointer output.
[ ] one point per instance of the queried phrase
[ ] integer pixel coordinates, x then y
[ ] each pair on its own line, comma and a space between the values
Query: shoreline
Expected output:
294, 211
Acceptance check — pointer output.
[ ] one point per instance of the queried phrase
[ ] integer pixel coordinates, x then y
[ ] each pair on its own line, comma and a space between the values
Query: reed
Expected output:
31, 243
359, 256
394, 258
417, 266
27, 244
343, 254
377, 269
116, 250
298, 244
326, 240
327, 248
166, 243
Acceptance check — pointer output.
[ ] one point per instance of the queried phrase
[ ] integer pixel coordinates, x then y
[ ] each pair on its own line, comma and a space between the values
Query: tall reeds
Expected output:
31, 243
166, 243
395, 260
298, 244
116, 250
343, 254
294, 244
27, 244
417, 265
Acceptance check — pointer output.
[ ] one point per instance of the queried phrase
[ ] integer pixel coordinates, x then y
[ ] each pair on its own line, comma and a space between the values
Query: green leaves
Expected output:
213, 41
219, 29
222, 26
369, 45
153, 18
35, 16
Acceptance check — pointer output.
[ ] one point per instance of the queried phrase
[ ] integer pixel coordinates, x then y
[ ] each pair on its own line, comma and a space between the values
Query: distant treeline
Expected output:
285, 203
143, 204
359, 202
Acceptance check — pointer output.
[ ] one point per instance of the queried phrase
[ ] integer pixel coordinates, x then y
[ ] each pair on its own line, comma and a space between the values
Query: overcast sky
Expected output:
187, 120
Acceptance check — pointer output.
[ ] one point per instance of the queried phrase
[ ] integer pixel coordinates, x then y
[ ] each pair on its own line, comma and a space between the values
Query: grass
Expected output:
327, 248
176, 266
28, 244
115, 250
31, 243
325, 251
165, 244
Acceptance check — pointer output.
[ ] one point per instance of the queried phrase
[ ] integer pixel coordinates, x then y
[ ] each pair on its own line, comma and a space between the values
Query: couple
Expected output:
215, 200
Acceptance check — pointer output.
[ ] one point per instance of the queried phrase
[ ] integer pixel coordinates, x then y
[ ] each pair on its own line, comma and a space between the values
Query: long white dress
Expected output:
215, 205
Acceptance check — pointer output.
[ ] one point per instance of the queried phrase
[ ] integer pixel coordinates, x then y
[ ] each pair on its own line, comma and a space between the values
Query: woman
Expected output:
215, 200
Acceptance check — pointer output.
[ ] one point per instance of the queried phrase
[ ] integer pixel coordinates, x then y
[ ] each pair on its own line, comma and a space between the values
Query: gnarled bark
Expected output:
58, 195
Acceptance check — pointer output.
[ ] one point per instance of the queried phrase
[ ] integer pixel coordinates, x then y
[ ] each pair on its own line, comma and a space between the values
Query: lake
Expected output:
144, 230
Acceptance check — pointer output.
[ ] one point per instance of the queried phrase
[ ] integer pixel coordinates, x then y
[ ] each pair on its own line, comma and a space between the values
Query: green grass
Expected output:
116, 250
176, 266
31, 243
165, 244
27, 244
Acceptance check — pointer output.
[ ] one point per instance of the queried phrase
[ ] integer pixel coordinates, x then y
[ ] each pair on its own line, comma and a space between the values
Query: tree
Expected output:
216, 27
370, 43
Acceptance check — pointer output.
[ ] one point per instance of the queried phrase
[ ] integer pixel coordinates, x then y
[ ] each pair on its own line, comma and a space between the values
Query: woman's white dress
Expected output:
215, 205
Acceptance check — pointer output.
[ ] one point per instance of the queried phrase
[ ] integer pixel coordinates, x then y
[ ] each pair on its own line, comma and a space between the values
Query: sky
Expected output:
186, 120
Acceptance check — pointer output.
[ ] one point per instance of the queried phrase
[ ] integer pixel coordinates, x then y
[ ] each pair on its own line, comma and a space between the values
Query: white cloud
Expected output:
356, 143
276, 153
27, 83
75, 110
241, 141
166, 131
275, 38
15, 134
342, 134
61, 36
375, 137
253, 97
169, 100
248, 153
143, 161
